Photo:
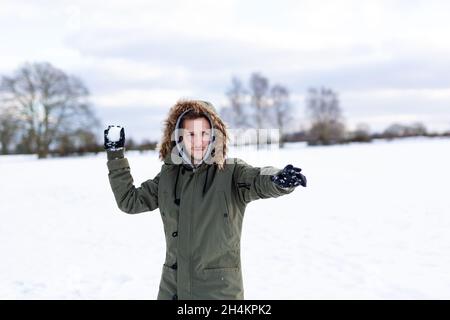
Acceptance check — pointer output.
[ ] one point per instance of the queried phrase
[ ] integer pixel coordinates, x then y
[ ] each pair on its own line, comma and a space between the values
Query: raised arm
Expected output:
129, 199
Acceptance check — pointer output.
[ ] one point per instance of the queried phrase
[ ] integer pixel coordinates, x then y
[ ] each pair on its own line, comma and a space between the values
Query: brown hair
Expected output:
191, 115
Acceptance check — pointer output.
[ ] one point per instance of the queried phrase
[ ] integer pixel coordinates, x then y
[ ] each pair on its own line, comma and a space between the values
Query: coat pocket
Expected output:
223, 275
222, 283
220, 270
226, 216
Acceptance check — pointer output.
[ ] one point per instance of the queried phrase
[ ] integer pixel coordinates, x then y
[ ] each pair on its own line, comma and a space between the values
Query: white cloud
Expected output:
418, 94
143, 98
130, 70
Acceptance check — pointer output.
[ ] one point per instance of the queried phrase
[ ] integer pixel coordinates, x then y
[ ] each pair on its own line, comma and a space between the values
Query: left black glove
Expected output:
117, 143
290, 176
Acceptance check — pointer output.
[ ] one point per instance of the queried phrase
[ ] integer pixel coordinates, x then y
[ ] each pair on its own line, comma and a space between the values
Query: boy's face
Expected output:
196, 135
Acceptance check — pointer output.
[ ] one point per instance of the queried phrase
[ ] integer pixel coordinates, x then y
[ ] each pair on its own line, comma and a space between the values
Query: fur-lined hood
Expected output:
168, 151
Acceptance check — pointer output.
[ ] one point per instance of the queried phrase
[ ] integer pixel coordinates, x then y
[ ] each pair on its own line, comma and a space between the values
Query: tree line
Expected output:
45, 111
260, 105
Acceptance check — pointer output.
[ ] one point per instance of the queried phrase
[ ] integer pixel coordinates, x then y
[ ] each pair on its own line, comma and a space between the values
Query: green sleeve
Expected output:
130, 199
254, 183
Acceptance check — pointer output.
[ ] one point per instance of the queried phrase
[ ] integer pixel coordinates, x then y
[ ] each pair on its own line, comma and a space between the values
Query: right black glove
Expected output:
290, 176
114, 144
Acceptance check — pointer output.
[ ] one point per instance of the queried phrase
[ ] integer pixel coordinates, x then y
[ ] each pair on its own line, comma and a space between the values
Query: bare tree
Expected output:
361, 133
236, 114
9, 128
259, 87
418, 129
397, 130
52, 104
282, 109
258, 106
326, 116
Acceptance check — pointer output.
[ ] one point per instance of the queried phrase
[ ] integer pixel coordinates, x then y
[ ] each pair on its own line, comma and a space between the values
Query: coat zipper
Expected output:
190, 239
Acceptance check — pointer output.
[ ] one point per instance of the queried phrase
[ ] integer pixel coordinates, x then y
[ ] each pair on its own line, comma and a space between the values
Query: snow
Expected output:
373, 223
114, 133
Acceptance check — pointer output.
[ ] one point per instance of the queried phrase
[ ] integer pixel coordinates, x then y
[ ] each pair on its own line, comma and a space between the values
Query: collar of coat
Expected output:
180, 165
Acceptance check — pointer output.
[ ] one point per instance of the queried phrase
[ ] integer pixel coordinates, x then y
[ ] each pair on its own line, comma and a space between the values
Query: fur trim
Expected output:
220, 129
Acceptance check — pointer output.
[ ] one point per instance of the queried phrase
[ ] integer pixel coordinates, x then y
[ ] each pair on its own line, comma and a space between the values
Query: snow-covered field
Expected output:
373, 223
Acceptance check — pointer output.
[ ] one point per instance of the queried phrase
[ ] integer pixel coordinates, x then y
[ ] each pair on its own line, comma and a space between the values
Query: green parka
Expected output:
202, 209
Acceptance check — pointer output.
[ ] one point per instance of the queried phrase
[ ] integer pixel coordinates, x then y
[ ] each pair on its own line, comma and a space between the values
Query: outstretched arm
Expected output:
255, 183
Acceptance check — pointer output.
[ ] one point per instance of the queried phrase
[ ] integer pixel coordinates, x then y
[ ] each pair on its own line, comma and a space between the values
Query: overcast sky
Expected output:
388, 60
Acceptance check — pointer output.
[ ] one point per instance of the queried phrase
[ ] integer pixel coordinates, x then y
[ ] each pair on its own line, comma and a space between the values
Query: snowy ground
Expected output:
373, 223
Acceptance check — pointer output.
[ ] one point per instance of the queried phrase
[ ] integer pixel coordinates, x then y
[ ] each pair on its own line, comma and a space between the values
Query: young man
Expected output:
202, 196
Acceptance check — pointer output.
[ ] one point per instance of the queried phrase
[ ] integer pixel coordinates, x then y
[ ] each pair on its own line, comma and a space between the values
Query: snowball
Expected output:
114, 133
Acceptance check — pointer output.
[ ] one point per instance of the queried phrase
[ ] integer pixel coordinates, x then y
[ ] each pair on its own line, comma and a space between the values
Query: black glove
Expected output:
114, 145
290, 176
